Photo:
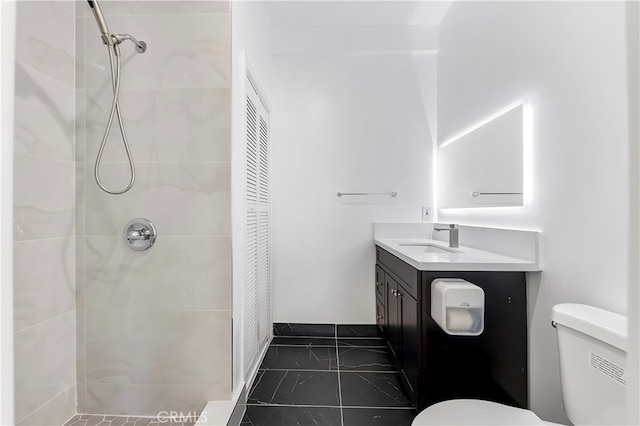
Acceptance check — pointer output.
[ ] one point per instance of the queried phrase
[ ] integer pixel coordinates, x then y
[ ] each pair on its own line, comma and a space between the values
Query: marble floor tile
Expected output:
357, 330
316, 330
365, 359
295, 388
362, 342
287, 416
301, 381
303, 341
368, 389
300, 358
377, 417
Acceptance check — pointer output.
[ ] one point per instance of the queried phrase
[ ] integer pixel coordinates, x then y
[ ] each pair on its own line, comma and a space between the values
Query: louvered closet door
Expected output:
257, 227
264, 287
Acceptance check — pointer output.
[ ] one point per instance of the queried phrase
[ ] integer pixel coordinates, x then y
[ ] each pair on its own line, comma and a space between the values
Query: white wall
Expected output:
7, 82
344, 123
633, 59
251, 44
568, 62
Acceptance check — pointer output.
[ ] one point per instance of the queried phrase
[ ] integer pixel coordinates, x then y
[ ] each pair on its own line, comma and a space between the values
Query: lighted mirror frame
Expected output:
488, 165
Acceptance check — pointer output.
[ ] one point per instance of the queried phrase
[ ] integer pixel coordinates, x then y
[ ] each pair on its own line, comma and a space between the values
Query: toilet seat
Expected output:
474, 412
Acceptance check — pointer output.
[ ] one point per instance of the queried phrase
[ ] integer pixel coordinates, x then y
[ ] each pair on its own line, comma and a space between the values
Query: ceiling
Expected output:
332, 13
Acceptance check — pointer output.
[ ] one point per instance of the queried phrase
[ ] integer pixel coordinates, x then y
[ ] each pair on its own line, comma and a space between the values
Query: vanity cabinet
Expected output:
402, 321
435, 366
403, 315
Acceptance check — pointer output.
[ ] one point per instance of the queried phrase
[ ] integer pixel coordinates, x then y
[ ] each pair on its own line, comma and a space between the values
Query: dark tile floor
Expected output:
323, 374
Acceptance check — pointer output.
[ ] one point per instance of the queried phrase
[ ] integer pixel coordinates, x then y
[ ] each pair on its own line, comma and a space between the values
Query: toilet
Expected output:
592, 345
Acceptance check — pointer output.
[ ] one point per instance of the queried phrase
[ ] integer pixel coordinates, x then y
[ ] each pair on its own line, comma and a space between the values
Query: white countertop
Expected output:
463, 259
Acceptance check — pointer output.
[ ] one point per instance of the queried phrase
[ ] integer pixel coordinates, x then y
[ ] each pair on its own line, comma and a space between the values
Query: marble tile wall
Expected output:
44, 209
154, 327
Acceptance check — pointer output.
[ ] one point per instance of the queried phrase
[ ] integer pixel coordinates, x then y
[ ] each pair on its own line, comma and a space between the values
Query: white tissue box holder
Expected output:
457, 306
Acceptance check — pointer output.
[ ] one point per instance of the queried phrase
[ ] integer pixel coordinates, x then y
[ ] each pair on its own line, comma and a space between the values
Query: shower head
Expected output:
107, 37
102, 24
141, 46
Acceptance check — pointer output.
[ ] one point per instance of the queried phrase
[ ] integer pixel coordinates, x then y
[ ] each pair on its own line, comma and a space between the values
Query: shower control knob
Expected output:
139, 234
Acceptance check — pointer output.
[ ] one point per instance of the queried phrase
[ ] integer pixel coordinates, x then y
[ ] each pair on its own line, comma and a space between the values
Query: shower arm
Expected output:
117, 39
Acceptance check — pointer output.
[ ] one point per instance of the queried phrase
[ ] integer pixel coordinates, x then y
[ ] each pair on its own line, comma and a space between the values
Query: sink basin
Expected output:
426, 248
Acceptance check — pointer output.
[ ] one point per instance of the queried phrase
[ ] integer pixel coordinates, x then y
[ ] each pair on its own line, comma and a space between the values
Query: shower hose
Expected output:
114, 50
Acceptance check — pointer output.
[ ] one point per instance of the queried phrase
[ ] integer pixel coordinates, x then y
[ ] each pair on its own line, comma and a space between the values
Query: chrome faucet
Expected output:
453, 232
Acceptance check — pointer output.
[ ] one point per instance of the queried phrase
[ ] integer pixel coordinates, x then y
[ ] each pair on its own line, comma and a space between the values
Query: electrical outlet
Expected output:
426, 213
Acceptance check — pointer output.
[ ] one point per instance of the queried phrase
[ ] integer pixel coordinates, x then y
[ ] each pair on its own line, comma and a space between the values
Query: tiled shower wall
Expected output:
44, 245
154, 327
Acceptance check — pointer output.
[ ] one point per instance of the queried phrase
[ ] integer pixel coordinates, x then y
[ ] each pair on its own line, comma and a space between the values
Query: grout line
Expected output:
85, 387
45, 157
379, 407
339, 382
103, 310
167, 162
303, 346
311, 345
351, 347
308, 337
311, 370
33, 240
47, 402
292, 405
96, 236
331, 406
53, 318
332, 337
47, 76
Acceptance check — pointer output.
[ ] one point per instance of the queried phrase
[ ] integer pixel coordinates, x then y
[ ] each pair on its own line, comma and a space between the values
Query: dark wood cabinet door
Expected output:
393, 319
381, 316
409, 318
380, 285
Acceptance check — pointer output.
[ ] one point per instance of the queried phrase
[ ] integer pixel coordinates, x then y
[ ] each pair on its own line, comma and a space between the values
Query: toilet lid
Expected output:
474, 412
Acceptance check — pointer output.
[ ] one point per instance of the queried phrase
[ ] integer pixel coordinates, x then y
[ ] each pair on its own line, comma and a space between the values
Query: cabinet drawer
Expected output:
408, 275
380, 291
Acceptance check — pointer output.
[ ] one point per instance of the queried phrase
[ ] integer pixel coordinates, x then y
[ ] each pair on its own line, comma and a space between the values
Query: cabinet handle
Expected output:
379, 317
378, 283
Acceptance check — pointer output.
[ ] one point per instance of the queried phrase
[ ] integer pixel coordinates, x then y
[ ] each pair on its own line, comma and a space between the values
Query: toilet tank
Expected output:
592, 344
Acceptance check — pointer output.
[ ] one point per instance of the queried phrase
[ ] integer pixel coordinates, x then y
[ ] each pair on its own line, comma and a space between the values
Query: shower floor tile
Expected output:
327, 375
99, 420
